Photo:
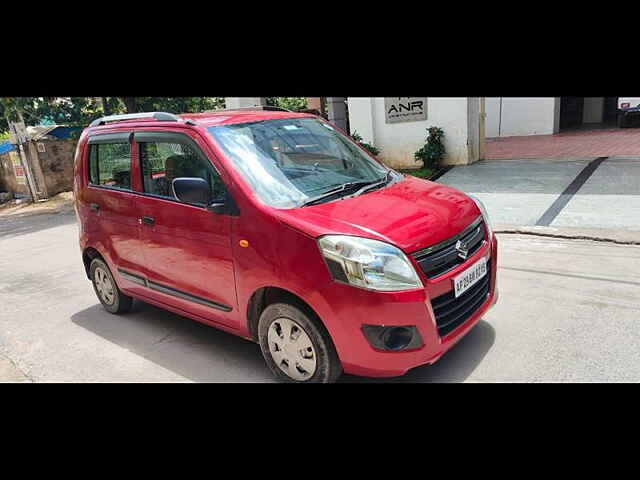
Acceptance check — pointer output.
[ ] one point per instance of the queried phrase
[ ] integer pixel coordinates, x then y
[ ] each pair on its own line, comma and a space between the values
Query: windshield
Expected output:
289, 161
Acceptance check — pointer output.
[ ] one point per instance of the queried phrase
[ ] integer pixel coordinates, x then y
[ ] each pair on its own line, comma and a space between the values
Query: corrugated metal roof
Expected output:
40, 131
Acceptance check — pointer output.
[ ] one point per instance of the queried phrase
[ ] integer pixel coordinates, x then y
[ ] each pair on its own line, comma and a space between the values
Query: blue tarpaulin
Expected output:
6, 147
64, 132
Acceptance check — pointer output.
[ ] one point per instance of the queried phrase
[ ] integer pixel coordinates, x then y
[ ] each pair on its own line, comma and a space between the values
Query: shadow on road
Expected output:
204, 354
16, 225
455, 366
190, 349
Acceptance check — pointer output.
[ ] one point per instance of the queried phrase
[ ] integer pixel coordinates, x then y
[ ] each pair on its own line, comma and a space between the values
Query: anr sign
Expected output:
405, 109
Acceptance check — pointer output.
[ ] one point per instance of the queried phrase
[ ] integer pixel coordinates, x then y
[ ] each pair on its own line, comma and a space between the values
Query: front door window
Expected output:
163, 162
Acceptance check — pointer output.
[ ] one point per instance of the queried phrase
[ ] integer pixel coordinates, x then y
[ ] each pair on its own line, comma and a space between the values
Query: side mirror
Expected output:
191, 190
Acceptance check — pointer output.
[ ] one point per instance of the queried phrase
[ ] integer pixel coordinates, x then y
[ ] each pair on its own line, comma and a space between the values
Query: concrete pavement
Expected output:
567, 312
527, 192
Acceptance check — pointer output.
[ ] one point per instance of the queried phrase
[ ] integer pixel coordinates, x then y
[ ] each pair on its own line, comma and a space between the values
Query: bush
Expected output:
367, 146
433, 151
289, 103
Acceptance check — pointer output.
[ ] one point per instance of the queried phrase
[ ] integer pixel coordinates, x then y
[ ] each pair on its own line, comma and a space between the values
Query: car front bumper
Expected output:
413, 308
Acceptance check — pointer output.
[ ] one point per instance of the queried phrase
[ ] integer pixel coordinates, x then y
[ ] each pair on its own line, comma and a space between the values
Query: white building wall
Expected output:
361, 117
240, 102
399, 141
527, 116
521, 116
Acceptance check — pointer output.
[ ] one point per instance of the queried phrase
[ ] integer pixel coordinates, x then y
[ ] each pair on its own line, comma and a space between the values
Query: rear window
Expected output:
110, 165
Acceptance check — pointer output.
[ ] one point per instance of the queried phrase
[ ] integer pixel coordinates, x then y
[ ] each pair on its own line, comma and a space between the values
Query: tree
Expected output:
290, 103
80, 111
171, 104
73, 111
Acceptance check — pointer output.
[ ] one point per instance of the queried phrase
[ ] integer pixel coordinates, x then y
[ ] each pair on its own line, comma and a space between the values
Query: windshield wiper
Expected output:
330, 193
371, 186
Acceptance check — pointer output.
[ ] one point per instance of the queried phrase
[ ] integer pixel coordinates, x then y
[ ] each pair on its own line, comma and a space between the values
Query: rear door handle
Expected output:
94, 206
148, 220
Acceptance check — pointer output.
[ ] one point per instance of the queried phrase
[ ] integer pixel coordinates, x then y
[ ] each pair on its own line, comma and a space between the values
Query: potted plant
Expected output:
367, 146
433, 151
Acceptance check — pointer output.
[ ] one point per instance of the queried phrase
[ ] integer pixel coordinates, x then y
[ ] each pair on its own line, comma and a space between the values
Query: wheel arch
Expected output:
265, 296
88, 255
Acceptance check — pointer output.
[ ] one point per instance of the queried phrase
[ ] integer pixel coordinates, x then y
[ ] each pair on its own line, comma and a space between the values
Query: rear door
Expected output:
187, 249
109, 204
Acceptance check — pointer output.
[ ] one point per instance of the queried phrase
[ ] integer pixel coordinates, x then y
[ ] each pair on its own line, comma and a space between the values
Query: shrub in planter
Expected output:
433, 151
367, 146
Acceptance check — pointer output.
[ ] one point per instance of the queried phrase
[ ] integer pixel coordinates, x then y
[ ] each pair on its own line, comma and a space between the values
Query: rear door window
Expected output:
110, 164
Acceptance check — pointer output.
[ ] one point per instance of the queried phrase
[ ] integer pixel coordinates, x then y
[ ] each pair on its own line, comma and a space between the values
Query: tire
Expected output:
112, 299
288, 319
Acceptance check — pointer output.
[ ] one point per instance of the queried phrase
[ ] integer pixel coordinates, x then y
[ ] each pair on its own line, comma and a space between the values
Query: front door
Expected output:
187, 248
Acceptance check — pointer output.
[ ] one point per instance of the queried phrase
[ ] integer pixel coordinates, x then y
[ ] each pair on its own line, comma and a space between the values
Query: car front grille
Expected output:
451, 312
444, 256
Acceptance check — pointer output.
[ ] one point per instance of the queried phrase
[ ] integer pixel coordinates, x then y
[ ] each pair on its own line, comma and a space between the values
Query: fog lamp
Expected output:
392, 338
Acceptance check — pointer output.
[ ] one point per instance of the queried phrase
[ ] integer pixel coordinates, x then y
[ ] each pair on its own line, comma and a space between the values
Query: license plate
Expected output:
470, 276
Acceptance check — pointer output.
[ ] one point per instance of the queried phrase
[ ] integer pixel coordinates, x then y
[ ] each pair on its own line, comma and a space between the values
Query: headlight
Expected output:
368, 263
485, 215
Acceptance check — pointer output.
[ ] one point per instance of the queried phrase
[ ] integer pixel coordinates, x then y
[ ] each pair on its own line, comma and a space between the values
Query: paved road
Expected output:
568, 312
557, 193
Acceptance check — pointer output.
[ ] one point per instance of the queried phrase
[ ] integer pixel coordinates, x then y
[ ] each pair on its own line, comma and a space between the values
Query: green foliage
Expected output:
290, 103
433, 151
367, 146
172, 104
425, 173
80, 111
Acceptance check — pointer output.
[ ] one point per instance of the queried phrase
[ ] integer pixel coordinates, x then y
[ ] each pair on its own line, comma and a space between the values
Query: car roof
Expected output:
205, 120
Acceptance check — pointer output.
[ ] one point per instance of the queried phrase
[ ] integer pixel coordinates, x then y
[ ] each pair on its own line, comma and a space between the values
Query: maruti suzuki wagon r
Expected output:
277, 227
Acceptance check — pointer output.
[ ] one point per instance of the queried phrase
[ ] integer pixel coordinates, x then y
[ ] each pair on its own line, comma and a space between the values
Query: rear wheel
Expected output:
296, 346
112, 299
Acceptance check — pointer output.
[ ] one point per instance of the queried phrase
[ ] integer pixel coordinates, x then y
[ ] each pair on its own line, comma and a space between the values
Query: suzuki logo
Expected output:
463, 249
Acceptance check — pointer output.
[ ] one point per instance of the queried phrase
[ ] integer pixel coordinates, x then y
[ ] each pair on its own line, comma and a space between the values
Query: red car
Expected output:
277, 227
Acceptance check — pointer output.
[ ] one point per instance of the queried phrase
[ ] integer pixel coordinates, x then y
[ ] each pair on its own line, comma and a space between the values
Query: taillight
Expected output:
625, 105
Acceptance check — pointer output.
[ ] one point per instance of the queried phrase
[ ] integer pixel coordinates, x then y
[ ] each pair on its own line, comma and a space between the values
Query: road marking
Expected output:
556, 207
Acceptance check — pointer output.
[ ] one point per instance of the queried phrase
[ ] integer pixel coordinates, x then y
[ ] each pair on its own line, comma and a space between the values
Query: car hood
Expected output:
410, 213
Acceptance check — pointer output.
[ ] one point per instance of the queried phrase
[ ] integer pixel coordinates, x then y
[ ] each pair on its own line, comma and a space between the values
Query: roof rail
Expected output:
266, 108
159, 116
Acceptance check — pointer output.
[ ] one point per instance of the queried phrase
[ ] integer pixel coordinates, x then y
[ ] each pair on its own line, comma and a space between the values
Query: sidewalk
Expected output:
62, 202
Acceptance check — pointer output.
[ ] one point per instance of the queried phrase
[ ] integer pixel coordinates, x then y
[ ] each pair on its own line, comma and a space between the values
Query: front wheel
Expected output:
296, 346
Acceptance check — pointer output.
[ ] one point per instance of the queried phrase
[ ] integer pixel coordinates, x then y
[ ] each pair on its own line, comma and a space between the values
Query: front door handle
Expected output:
148, 220
94, 206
